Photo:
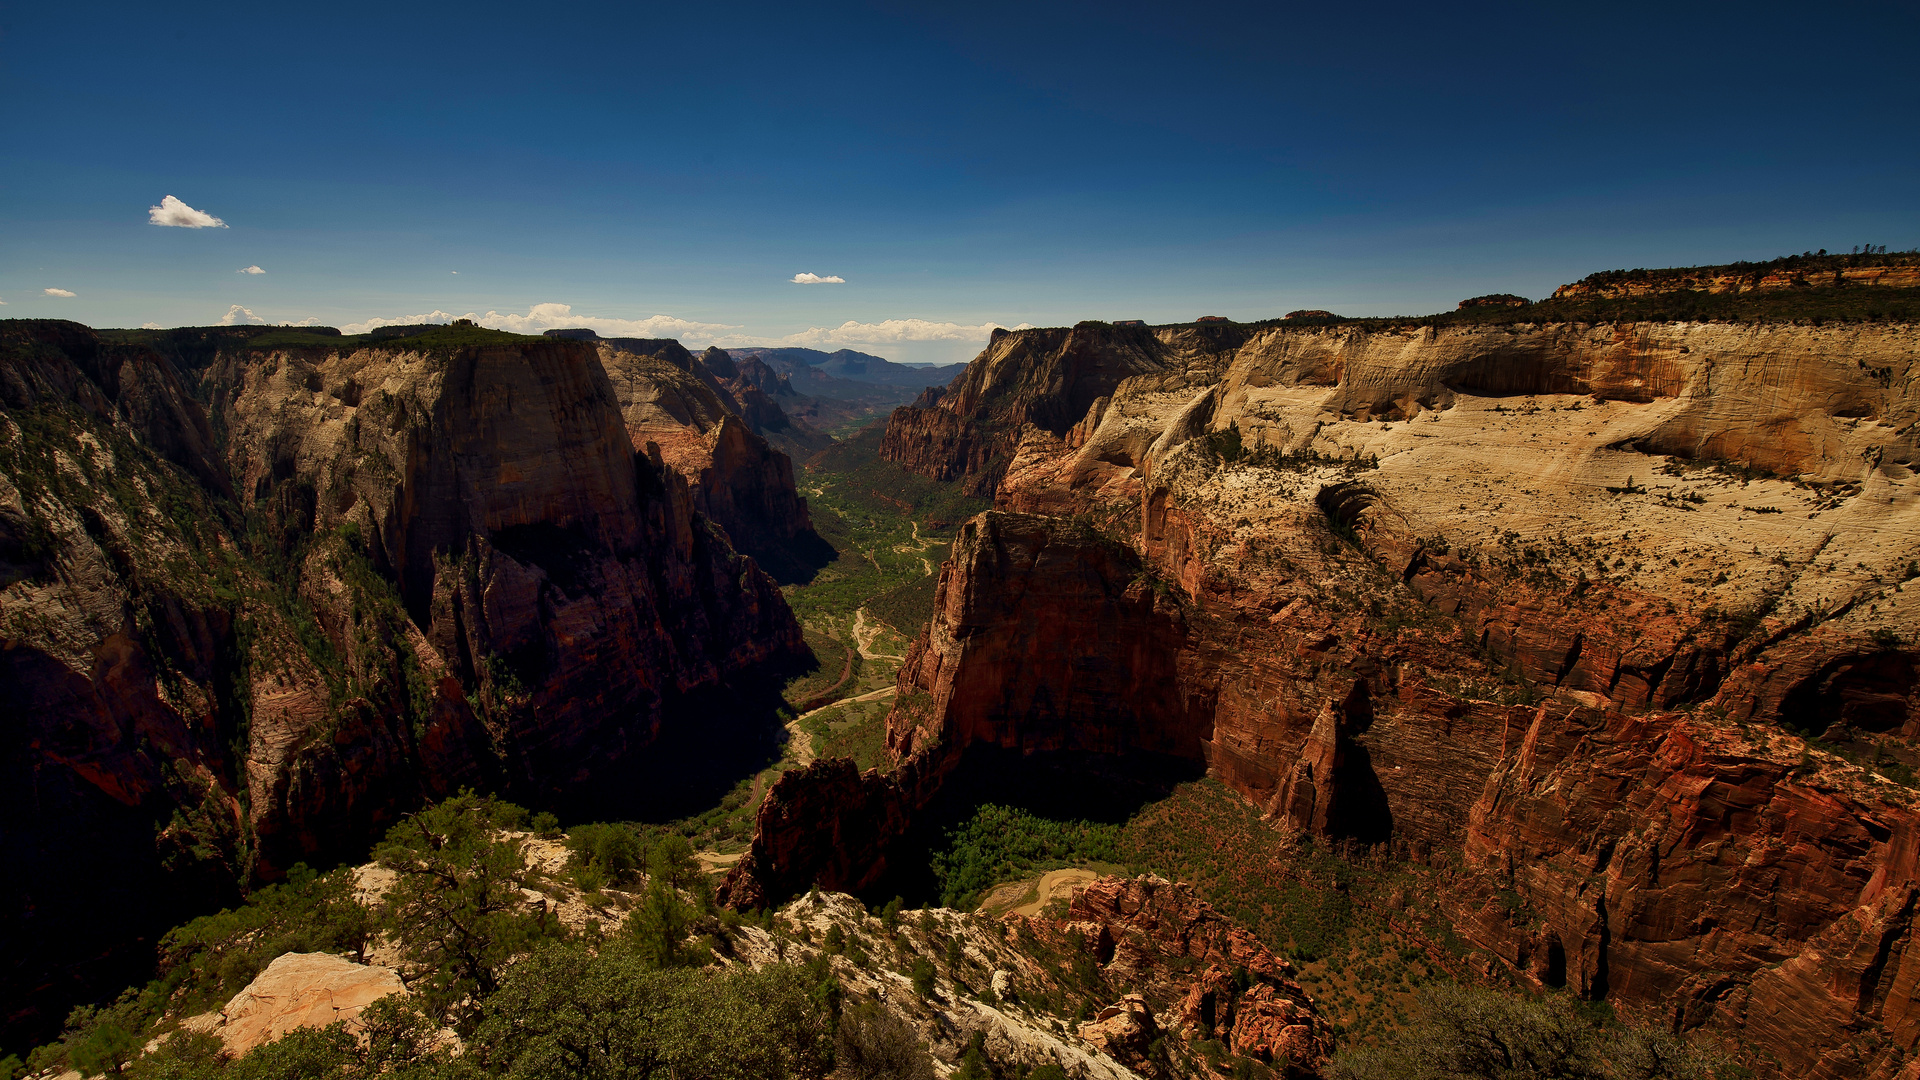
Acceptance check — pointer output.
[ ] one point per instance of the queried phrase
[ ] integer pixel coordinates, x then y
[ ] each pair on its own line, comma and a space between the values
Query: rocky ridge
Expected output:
261, 600
1563, 602
714, 428
1900, 270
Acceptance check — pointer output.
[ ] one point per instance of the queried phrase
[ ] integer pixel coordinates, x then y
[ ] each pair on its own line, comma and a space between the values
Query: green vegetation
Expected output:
908, 607
528, 998
1475, 1034
1000, 843
855, 729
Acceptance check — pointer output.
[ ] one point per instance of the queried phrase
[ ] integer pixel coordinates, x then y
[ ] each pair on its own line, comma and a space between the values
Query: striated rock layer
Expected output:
1563, 602
713, 427
258, 605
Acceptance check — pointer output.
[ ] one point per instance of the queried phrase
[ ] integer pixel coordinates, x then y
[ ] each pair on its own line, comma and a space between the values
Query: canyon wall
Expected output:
1561, 604
712, 426
258, 606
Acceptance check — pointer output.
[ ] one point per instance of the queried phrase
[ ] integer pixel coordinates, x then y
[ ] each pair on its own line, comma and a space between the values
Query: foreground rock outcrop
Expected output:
1142, 957
1562, 602
298, 990
260, 600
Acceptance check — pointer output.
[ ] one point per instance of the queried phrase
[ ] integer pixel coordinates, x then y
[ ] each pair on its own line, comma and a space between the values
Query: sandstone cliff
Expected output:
1900, 270
1562, 601
255, 609
768, 402
708, 433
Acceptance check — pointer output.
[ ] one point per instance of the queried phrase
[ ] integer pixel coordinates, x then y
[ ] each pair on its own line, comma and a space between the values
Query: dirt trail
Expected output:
873, 696
1057, 883
863, 636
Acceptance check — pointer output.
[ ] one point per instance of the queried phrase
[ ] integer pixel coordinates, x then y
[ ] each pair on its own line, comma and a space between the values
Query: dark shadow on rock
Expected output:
1062, 785
709, 741
794, 561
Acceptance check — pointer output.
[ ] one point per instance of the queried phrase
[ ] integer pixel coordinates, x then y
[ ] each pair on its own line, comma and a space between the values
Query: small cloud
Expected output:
151, 326
179, 215
453, 271
250, 270
816, 279
3, 303
68, 293
243, 316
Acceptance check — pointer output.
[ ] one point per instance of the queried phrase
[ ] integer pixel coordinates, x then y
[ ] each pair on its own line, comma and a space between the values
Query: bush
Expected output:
1467, 1033
1001, 842
872, 1044
565, 1013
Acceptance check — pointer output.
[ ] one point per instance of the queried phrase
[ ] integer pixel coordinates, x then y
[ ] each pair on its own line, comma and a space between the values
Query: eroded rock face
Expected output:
1535, 597
299, 990
538, 562
1200, 975
712, 430
250, 634
1043, 377
1900, 271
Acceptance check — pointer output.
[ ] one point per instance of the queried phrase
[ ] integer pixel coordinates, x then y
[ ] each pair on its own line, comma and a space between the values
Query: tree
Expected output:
923, 976
658, 927
672, 861
565, 1013
873, 1044
973, 1062
457, 907
605, 854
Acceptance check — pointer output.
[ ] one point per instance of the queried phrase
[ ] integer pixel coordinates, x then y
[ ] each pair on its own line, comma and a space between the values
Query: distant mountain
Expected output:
852, 366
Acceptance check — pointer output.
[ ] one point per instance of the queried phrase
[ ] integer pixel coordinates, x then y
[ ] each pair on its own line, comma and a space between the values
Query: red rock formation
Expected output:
1411, 588
444, 567
1047, 378
706, 432
1197, 973
767, 401
1899, 271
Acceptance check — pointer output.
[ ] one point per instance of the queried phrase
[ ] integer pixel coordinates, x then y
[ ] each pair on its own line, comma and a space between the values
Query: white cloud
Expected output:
816, 279
250, 270
543, 317
886, 332
151, 326
172, 211
68, 293
3, 303
242, 316
453, 271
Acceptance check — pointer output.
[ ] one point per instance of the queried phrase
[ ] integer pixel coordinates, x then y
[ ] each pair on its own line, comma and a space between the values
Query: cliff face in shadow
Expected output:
1561, 605
259, 601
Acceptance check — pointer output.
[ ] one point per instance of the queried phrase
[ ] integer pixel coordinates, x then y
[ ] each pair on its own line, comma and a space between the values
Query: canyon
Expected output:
264, 592
1597, 638
1611, 624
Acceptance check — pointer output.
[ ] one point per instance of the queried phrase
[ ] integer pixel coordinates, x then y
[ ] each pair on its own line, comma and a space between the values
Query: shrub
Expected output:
1469, 1034
457, 907
876, 1045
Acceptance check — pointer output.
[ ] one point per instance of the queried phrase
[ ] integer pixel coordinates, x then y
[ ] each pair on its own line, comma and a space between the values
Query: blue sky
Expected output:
665, 170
